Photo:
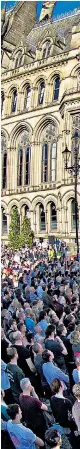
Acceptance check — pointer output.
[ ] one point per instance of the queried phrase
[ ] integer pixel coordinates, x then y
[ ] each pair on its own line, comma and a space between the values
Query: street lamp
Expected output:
74, 168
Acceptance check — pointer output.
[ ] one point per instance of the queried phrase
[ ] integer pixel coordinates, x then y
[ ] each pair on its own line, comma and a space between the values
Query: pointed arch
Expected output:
17, 130
42, 125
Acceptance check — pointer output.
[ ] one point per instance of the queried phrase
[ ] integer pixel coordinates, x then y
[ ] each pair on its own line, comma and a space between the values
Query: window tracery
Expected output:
49, 154
46, 49
4, 162
24, 157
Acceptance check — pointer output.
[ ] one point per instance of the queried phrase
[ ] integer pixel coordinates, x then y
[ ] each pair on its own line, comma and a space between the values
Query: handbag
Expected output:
49, 419
31, 365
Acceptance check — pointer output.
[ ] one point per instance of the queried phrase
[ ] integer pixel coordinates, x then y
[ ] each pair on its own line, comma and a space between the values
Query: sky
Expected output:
61, 7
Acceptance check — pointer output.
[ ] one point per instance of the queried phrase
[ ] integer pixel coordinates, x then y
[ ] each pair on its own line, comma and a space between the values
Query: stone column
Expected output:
59, 159
32, 219
7, 110
35, 97
23, 169
37, 219
69, 217
48, 219
20, 102
8, 222
32, 164
8, 168
58, 219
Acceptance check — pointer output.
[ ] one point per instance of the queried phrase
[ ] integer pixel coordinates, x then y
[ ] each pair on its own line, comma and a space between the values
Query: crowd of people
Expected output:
40, 347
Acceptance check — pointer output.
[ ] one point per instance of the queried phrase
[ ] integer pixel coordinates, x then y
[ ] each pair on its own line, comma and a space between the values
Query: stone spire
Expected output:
4, 23
46, 11
3, 14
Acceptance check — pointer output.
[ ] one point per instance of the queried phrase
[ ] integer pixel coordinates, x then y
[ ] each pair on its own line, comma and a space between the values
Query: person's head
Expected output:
37, 348
50, 331
17, 337
14, 412
47, 356
28, 312
77, 361
12, 353
13, 324
25, 385
78, 328
53, 438
76, 391
61, 330
21, 315
56, 386
42, 315
22, 328
38, 330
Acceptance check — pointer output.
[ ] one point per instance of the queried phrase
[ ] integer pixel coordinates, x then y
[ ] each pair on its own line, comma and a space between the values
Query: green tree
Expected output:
14, 229
26, 235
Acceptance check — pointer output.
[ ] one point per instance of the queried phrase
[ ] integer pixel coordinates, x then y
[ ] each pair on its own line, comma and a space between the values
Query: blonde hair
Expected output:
75, 337
76, 390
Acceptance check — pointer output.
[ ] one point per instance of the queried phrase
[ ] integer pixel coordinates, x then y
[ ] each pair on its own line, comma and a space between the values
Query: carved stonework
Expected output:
24, 139
50, 131
76, 121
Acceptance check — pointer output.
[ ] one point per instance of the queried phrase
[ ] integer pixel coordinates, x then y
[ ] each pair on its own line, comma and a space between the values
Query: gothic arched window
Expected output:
42, 218
20, 167
53, 162
27, 97
2, 101
45, 163
41, 92
27, 165
46, 49
4, 171
4, 222
4, 162
73, 221
53, 216
14, 101
56, 88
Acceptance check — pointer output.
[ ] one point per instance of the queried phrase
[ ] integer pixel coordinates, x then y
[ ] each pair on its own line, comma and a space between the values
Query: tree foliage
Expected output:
18, 237
26, 235
14, 229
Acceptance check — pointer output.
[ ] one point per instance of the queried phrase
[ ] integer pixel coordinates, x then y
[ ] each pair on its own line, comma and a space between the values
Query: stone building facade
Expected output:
40, 106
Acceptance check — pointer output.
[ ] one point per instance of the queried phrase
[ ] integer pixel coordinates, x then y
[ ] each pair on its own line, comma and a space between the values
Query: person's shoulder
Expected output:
21, 397
74, 406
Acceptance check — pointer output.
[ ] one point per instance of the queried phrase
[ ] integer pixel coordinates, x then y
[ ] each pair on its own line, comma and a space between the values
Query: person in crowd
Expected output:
32, 408
76, 406
29, 322
20, 435
61, 405
75, 341
55, 344
53, 439
15, 374
76, 371
50, 370
5, 384
43, 323
22, 328
4, 406
23, 353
